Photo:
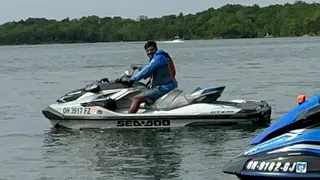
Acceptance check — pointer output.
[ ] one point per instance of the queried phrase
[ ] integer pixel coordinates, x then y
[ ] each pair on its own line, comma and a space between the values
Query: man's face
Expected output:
150, 51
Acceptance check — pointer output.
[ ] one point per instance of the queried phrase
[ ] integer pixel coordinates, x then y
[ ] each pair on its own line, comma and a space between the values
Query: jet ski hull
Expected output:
138, 124
288, 149
299, 165
294, 155
97, 117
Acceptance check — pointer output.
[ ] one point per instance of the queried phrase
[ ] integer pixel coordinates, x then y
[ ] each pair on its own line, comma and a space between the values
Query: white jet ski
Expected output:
104, 104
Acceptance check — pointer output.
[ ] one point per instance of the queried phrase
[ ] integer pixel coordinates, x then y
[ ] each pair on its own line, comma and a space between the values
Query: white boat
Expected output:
176, 40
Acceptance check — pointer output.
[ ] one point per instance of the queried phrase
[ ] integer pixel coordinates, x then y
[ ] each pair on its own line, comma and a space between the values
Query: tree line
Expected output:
229, 21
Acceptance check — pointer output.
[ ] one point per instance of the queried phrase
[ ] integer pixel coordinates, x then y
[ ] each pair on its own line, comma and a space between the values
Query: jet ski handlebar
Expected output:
126, 74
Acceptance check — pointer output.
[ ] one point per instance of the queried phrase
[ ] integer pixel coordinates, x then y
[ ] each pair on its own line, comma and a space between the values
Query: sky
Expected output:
15, 10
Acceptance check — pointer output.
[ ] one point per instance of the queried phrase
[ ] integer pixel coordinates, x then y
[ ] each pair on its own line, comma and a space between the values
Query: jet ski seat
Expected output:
172, 99
176, 98
207, 95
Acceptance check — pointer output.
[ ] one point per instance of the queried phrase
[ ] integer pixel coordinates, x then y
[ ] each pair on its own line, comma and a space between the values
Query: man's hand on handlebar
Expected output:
127, 81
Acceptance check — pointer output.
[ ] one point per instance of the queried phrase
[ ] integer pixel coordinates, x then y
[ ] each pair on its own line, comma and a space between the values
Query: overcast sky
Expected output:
14, 10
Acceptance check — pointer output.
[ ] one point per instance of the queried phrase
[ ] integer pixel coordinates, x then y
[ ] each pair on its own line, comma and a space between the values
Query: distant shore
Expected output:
227, 22
158, 41
161, 40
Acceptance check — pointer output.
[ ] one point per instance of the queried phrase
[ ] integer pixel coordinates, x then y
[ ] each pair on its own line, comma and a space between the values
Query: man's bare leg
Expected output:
137, 100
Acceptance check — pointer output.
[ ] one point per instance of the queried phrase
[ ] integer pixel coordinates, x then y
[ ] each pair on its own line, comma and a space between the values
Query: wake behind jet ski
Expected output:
105, 104
288, 149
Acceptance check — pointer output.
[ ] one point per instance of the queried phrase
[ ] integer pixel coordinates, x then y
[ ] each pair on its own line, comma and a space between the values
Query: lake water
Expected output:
32, 77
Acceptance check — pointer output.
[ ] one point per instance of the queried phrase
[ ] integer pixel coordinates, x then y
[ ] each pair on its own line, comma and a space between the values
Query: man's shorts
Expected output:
153, 94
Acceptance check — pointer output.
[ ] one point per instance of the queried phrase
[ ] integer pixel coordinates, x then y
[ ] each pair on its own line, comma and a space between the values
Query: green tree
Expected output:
228, 21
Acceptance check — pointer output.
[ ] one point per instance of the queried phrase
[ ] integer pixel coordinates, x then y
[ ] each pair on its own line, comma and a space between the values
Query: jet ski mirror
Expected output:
129, 72
104, 80
93, 88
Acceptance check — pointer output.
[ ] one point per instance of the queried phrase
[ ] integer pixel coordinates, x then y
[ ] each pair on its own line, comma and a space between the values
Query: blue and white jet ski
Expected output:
104, 104
288, 149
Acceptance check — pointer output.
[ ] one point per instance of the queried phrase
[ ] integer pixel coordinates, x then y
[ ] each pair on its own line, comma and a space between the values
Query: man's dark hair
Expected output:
149, 44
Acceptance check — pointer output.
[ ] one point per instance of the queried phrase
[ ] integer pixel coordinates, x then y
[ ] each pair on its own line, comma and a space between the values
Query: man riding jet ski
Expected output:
162, 71
129, 103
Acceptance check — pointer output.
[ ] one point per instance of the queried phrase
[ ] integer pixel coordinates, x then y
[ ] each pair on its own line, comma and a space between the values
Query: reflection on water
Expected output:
138, 154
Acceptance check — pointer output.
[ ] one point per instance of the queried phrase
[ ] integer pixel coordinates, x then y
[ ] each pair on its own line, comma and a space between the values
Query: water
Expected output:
275, 70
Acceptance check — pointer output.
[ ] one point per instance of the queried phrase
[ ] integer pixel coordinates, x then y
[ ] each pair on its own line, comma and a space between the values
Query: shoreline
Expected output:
231, 21
158, 41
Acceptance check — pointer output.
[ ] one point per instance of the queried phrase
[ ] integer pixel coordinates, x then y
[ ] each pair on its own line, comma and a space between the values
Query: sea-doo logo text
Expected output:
142, 123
